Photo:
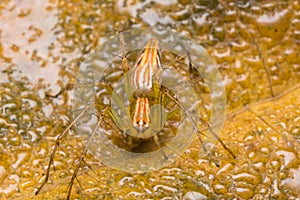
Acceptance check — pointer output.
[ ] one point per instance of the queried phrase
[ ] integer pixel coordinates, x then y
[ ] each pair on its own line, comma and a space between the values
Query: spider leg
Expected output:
57, 143
83, 153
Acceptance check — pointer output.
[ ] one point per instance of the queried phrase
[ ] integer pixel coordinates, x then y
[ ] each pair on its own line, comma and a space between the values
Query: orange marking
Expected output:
141, 119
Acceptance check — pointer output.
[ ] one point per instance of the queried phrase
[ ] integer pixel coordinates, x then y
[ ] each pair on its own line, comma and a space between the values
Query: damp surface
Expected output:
255, 45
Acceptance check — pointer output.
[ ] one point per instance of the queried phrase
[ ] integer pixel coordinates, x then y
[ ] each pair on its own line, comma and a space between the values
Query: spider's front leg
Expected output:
57, 143
84, 151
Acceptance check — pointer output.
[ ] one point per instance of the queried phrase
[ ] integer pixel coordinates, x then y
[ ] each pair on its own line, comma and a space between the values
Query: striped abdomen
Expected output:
147, 67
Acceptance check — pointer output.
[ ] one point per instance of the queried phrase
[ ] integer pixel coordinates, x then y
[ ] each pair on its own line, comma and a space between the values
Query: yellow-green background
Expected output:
255, 45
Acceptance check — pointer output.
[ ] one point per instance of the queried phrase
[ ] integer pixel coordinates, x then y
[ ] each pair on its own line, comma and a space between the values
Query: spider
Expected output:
140, 110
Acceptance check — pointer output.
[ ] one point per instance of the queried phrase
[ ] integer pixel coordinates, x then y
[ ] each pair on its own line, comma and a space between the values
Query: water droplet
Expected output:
191, 195
292, 183
246, 177
287, 155
244, 193
265, 150
27, 184
3, 173
220, 189
20, 159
